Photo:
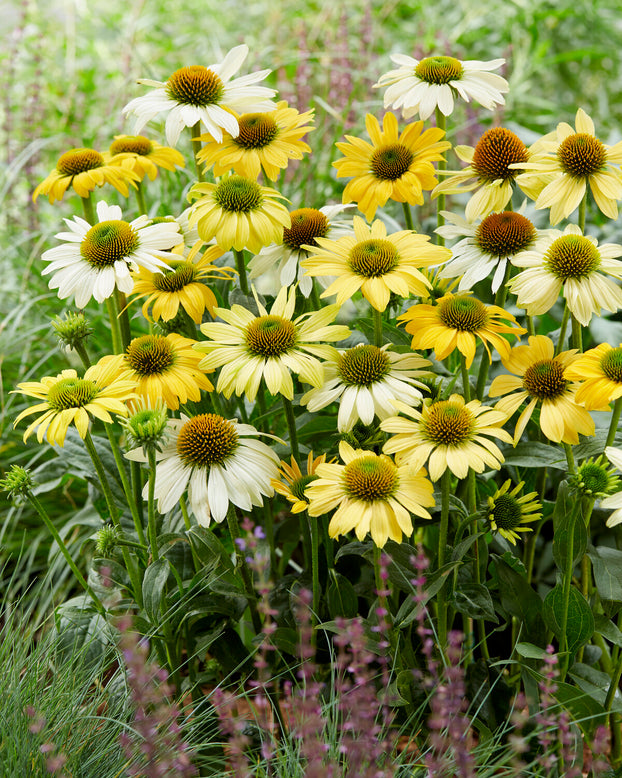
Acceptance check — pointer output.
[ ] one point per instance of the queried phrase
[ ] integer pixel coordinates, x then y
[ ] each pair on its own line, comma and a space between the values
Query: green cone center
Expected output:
270, 336
439, 70
108, 242
373, 258
363, 365
71, 393
238, 195
371, 478
572, 256
150, 355
256, 130
391, 162
465, 314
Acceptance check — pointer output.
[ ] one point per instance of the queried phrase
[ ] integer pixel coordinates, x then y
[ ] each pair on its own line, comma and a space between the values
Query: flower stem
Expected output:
115, 330
582, 211
315, 297
196, 147
140, 198
466, 386
241, 267
89, 210
562, 330
567, 582
615, 418
441, 123
315, 567
153, 535
378, 336
408, 217
64, 551
124, 318
81, 351
614, 718
577, 334
569, 458
127, 487
234, 529
442, 544
291, 424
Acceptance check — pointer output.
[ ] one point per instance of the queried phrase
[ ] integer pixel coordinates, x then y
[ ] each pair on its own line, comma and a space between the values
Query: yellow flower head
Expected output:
374, 262
238, 213
508, 514
142, 155
449, 433
183, 284
392, 166
265, 141
457, 321
565, 162
371, 493
162, 367
69, 399
489, 172
295, 482
600, 372
84, 169
540, 377
269, 346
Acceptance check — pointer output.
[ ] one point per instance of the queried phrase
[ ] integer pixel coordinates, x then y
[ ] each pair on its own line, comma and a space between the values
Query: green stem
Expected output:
466, 386
562, 330
441, 123
89, 210
328, 542
140, 198
582, 211
442, 545
241, 268
153, 534
577, 335
64, 551
124, 318
500, 296
81, 351
378, 337
615, 418
196, 147
115, 330
127, 487
614, 718
377, 579
567, 582
114, 516
315, 566
315, 297
531, 330
408, 217
234, 529
291, 424
569, 458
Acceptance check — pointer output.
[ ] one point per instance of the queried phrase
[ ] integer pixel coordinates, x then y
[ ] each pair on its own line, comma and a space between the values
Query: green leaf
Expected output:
341, 598
584, 709
520, 600
209, 549
529, 651
607, 567
595, 683
464, 545
391, 333
154, 588
580, 622
605, 627
83, 634
286, 640
534, 454
567, 518
474, 600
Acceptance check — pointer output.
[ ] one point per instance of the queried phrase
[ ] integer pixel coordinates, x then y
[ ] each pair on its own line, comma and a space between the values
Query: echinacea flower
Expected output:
164, 367
365, 380
217, 460
196, 94
293, 483
421, 86
489, 171
269, 346
68, 399
182, 283
391, 167
142, 155
94, 260
447, 434
540, 378
595, 479
374, 262
600, 372
574, 263
508, 514
84, 169
238, 213
485, 248
307, 224
566, 162
265, 141
458, 321
372, 495
614, 455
